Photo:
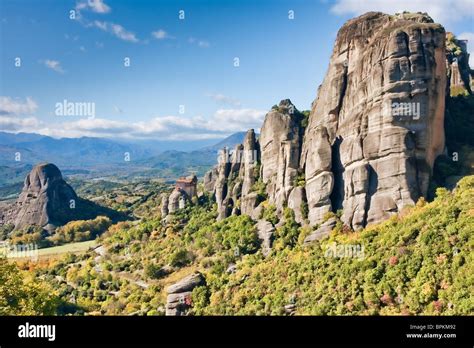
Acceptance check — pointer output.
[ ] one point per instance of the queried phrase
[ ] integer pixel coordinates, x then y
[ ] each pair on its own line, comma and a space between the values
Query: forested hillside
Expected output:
420, 262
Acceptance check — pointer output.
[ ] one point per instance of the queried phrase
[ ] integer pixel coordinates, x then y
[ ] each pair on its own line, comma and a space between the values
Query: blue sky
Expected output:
174, 63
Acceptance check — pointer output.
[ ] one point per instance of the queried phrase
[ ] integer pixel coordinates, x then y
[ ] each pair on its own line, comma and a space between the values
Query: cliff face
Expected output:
371, 139
272, 161
280, 141
377, 124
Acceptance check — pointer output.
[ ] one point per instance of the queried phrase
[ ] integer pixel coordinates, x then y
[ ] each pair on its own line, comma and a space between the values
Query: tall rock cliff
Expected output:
376, 126
280, 140
249, 173
234, 177
371, 139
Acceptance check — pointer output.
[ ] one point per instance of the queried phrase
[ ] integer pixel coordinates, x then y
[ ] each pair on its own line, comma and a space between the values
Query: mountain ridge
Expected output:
90, 153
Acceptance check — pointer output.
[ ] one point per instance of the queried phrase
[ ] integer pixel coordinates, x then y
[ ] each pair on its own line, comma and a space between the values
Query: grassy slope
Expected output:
63, 249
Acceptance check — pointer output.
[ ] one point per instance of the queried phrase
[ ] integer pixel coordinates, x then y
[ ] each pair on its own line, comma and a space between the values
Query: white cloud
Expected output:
442, 11
116, 30
101, 25
223, 99
200, 43
235, 120
160, 34
10, 106
97, 6
53, 65
470, 46
18, 124
95, 127
222, 123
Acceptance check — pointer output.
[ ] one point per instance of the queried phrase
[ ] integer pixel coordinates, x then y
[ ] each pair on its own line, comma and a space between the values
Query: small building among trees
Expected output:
187, 184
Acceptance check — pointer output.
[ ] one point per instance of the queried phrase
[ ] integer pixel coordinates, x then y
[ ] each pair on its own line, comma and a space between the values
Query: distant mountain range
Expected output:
174, 163
99, 156
34, 148
230, 142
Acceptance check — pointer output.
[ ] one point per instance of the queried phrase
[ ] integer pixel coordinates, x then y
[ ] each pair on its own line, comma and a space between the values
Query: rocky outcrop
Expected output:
249, 166
249, 205
458, 70
47, 201
297, 202
179, 300
235, 176
210, 179
164, 205
273, 158
322, 231
372, 136
265, 231
318, 173
249, 174
377, 124
182, 194
280, 142
220, 188
176, 200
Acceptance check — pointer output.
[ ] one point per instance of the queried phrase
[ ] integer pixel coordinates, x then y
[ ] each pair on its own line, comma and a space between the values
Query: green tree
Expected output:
20, 295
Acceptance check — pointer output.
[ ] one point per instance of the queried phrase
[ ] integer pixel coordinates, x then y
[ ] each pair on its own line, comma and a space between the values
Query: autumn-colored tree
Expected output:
21, 295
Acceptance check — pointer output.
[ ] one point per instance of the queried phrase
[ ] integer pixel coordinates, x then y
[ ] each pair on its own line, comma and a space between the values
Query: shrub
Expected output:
287, 235
304, 209
154, 271
179, 258
270, 215
81, 230
5, 231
